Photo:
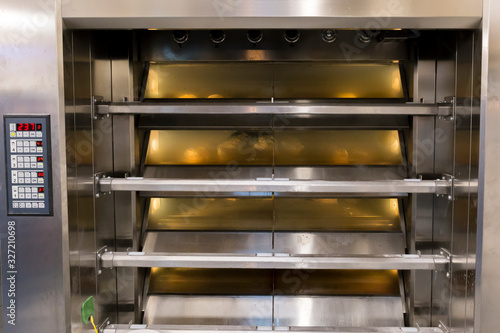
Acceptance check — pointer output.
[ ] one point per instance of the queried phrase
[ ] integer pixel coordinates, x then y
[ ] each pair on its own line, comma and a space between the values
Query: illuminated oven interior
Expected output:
273, 224
306, 147
277, 111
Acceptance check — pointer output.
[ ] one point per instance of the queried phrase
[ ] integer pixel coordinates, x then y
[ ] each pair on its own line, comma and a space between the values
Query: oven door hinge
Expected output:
100, 108
447, 108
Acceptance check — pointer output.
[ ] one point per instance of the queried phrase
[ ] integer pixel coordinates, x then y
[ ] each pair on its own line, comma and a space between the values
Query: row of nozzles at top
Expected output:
255, 36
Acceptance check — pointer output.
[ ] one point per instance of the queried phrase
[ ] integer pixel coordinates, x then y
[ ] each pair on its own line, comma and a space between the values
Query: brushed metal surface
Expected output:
341, 173
337, 214
488, 270
445, 161
338, 243
466, 161
194, 329
271, 261
223, 108
100, 136
119, 14
125, 211
288, 311
209, 242
31, 49
209, 310
208, 171
347, 243
207, 187
338, 311
80, 174
211, 214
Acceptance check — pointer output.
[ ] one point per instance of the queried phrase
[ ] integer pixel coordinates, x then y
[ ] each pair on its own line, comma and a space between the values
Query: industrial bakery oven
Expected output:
272, 179
219, 174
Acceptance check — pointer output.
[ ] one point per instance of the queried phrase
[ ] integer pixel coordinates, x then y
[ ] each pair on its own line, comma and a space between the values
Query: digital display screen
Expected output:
22, 127
39, 143
39, 159
40, 174
41, 190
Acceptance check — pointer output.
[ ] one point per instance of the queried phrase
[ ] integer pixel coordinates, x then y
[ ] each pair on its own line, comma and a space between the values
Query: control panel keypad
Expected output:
28, 168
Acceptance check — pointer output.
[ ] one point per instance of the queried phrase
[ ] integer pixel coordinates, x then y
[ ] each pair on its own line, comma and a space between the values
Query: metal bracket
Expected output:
443, 327
450, 187
447, 254
447, 109
104, 324
98, 257
100, 107
97, 178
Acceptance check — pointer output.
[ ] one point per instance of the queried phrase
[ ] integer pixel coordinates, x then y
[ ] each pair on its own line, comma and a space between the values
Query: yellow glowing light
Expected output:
187, 96
155, 205
215, 96
347, 95
394, 205
395, 144
155, 141
340, 156
195, 155
153, 83
396, 81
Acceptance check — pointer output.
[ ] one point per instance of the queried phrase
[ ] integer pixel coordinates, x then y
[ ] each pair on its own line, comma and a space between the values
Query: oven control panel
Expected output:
28, 165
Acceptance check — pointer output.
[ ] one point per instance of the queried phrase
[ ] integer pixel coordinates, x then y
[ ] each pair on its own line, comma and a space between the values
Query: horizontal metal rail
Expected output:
232, 329
414, 109
268, 261
212, 186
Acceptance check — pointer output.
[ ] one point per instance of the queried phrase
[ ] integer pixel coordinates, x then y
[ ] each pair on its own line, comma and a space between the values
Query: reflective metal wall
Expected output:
37, 298
488, 273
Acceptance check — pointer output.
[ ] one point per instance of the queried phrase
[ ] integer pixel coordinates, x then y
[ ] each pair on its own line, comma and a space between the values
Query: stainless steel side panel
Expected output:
31, 67
80, 173
488, 269
306, 14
